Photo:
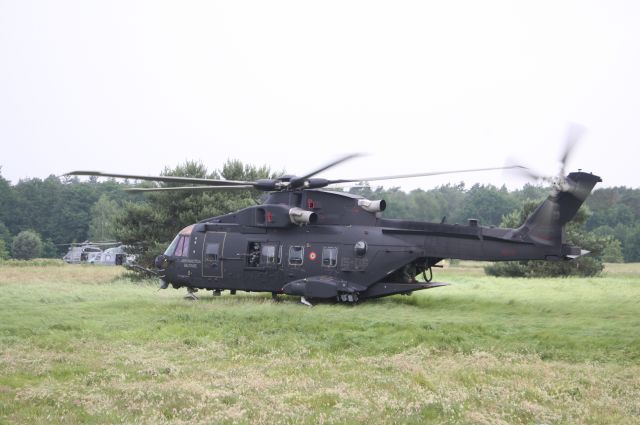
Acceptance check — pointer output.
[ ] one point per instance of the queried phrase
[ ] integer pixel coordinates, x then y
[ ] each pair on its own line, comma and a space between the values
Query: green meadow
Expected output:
84, 344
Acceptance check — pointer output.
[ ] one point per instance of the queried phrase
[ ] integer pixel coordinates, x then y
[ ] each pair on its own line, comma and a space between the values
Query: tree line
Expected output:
61, 210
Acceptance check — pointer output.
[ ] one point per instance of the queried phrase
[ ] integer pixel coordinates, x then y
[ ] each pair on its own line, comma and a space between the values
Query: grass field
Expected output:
81, 344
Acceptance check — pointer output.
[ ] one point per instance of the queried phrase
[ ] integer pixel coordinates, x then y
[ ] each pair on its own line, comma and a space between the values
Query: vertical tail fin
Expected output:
544, 225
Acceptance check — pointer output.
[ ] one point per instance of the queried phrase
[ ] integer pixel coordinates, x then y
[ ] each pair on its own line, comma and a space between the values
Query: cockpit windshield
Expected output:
179, 247
172, 247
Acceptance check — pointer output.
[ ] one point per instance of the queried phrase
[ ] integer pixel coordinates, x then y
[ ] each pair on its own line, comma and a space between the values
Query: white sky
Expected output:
133, 86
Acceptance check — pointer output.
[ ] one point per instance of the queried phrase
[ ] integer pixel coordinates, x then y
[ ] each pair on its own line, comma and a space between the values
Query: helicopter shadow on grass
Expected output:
259, 298
420, 301
256, 298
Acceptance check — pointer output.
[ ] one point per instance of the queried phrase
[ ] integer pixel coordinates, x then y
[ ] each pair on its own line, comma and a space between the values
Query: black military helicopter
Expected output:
328, 245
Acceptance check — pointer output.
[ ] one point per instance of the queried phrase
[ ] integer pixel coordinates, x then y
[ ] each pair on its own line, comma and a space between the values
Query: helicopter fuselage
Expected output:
332, 245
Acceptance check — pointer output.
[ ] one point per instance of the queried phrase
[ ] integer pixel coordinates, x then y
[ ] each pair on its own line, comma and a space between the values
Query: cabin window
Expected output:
270, 254
254, 250
211, 253
260, 215
329, 256
296, 255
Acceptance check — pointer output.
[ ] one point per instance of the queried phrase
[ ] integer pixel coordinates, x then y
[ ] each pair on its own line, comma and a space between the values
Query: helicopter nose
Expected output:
161, 261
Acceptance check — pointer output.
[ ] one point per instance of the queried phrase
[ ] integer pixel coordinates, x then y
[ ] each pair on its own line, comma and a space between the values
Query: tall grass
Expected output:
82, 344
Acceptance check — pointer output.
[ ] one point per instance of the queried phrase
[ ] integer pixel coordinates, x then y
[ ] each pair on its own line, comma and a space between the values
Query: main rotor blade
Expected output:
327, 166
188, 188
433, 173
88, 243
166, 179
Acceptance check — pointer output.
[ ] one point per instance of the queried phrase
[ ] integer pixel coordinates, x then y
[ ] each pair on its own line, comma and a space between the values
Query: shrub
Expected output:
26, 245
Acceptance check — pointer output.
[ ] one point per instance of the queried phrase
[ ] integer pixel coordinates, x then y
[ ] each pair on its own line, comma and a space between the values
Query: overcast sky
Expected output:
134, 86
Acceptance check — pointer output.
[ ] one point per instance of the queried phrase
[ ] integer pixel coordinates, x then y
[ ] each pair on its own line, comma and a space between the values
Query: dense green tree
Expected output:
530, 192
26, 245
432, 205
612, 251
103, 215
488, 204
5, 235
7, 201
630, 239
452, 198
49, 249
4, 254
60, 210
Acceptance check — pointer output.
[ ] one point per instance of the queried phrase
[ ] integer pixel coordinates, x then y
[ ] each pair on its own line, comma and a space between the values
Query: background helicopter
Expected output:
82, 252
96, 253
324, 245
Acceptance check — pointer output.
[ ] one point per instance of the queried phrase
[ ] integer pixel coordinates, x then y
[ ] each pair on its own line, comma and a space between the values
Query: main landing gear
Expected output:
191, 294
351, 298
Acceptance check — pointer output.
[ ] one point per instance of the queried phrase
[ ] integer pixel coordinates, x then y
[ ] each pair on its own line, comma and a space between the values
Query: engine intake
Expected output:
372, 206
300, 216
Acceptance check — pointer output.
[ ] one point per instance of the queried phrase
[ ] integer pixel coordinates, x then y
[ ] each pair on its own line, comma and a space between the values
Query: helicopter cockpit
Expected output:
179, 247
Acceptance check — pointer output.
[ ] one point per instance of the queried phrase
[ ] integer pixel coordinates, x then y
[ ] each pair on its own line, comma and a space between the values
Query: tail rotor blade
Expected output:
560, 183
574, 134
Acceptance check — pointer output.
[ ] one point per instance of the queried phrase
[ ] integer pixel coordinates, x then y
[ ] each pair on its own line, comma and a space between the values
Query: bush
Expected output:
26, 245
507, 269
583, 266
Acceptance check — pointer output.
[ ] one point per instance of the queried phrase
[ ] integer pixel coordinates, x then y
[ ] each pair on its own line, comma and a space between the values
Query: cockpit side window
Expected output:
186, 240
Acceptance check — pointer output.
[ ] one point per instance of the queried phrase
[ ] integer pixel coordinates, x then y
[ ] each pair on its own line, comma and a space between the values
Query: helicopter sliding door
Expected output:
212, 264
263, 265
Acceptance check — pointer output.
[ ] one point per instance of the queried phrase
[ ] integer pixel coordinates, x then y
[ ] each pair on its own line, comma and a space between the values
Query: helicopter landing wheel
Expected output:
430, 276
350, 298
